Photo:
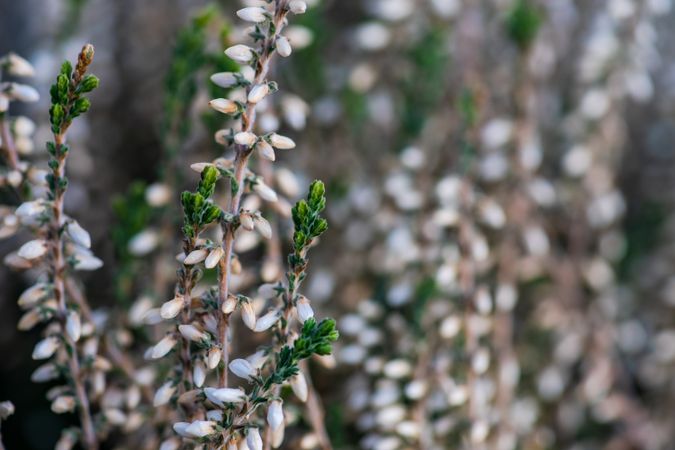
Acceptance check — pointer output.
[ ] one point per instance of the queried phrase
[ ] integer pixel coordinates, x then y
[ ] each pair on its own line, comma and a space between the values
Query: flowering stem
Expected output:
240, 163
8, 142
58, 262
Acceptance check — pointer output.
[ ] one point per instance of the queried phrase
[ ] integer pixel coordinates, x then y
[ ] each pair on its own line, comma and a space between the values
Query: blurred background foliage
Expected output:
434, 84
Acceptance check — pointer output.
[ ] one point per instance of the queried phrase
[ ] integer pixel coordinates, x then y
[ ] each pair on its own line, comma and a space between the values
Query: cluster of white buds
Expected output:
212, 410
60, 246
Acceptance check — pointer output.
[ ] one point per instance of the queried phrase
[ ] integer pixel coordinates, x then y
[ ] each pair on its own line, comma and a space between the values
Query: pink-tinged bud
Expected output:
163, 347
281, 142
214, 258
258, 93
33, 295
164, 394
172, 308
229, 305
192, 333
245, 138
195, 257
214, 358
18, 66
265, 192
263, 227
248, 315
265, 151
74, 326
224, 106
63, 404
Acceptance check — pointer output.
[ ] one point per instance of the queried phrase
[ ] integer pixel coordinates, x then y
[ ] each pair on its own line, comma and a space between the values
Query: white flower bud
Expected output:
245, 138
180, 428
29, 211
229, 305
242, 368
170, 444
213, 358
275, 414
297, 6
20, 92
240, 53
225, 395
195, 257
284, 47
46, 348
224, 106
263, 227
299, 387
248, 315
214, 257
30, 319
199, 374
265, 192
33, 295
278, 437
258, 93
143, 243
172, 308
265, 150
253, 439
164, 346
266, 322
164, 394
63, 404
18, 66
254, 14
33, 249
115, 416
224, 79
74, 326
87, 261
192, 333
44, 373
304, 309
78, 234
257, 359
200, 428
281, 142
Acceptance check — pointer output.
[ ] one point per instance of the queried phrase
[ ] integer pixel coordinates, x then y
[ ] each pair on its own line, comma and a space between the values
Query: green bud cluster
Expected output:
198, 208
523, 23
308, 222
67, 97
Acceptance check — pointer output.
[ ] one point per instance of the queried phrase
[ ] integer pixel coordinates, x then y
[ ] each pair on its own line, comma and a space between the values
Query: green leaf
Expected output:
207, 184
523, 23
88, 84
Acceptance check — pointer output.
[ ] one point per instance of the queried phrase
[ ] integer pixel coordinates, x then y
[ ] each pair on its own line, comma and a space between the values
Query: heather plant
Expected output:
223, 414
61, 247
